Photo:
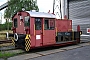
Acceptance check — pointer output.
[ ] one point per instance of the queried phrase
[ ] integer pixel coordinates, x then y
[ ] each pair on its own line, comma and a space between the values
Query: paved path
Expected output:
82, 53
76, 52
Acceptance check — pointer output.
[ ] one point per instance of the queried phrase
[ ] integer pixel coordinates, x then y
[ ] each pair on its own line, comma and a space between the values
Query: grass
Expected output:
6, 54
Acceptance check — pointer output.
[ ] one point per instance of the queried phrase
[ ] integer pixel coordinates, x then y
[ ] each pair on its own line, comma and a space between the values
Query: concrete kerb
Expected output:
70, 47
84, 44
50, 52
24, 57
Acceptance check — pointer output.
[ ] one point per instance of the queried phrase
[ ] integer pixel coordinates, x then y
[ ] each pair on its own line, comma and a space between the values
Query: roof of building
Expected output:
41, 14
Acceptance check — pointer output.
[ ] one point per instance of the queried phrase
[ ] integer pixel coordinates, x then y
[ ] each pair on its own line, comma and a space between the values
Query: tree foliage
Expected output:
17, 5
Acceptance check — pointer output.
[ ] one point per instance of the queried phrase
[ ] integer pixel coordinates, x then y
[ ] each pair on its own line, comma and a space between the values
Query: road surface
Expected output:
82, 53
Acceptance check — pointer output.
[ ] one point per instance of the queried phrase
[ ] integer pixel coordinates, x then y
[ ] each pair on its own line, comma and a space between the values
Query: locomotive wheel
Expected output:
27, 44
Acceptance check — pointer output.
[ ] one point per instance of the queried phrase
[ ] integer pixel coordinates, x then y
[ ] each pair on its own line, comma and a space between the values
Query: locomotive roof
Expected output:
41, 14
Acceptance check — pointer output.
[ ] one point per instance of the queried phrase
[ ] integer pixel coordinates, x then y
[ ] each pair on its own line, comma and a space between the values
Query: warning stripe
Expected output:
13, 43
27, 43
56, 31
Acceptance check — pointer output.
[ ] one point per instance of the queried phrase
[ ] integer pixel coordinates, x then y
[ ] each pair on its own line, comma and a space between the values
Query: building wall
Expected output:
79, 12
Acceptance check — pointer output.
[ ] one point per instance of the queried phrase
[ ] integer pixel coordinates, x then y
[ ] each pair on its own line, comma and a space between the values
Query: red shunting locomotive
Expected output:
39, 29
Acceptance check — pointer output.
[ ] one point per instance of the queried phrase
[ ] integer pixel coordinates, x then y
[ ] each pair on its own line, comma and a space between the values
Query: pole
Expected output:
8, 25
60, 10
8, 22
53, 5
68, 8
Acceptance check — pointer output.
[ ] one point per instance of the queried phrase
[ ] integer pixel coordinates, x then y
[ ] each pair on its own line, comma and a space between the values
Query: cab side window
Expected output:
27, 21
15, 23
49, 24
52, 24
46, 24
38, 23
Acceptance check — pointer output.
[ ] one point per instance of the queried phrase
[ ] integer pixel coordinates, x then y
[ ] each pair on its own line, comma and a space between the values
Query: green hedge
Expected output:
5, 26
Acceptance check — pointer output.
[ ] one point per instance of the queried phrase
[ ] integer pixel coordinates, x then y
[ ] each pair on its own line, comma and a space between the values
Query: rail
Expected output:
5, 41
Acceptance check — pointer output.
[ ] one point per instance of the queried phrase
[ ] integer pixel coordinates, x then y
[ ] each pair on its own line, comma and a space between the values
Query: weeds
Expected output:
6, 54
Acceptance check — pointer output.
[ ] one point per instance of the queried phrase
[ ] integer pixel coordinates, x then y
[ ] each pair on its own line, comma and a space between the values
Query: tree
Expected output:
17, 5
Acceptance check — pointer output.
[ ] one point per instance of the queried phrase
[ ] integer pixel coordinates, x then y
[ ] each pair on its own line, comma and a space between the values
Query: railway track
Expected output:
5, 41
6, 45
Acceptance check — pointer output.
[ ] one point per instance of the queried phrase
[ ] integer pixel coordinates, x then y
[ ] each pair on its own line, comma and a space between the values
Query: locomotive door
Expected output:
38, 31
49, 31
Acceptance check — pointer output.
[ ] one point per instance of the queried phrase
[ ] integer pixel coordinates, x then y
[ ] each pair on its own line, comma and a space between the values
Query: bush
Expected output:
5, 26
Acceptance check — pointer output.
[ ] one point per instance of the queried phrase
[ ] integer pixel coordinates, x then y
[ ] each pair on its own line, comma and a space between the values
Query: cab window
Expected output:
49, 24
38, 23
15, 23
27, 21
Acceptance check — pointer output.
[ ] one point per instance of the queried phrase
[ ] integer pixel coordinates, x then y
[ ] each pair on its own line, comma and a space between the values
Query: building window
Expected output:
15, 22
49, 24
27, 21
38, 23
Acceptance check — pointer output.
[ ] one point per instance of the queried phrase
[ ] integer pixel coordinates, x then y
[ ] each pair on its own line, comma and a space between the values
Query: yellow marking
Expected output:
70, 23
27, 42
70, 29
13, 43
56, 31
34, 29
43, 29
27, 36
72, 34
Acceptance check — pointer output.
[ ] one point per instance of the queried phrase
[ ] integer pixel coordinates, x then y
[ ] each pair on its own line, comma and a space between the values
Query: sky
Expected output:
44, 6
